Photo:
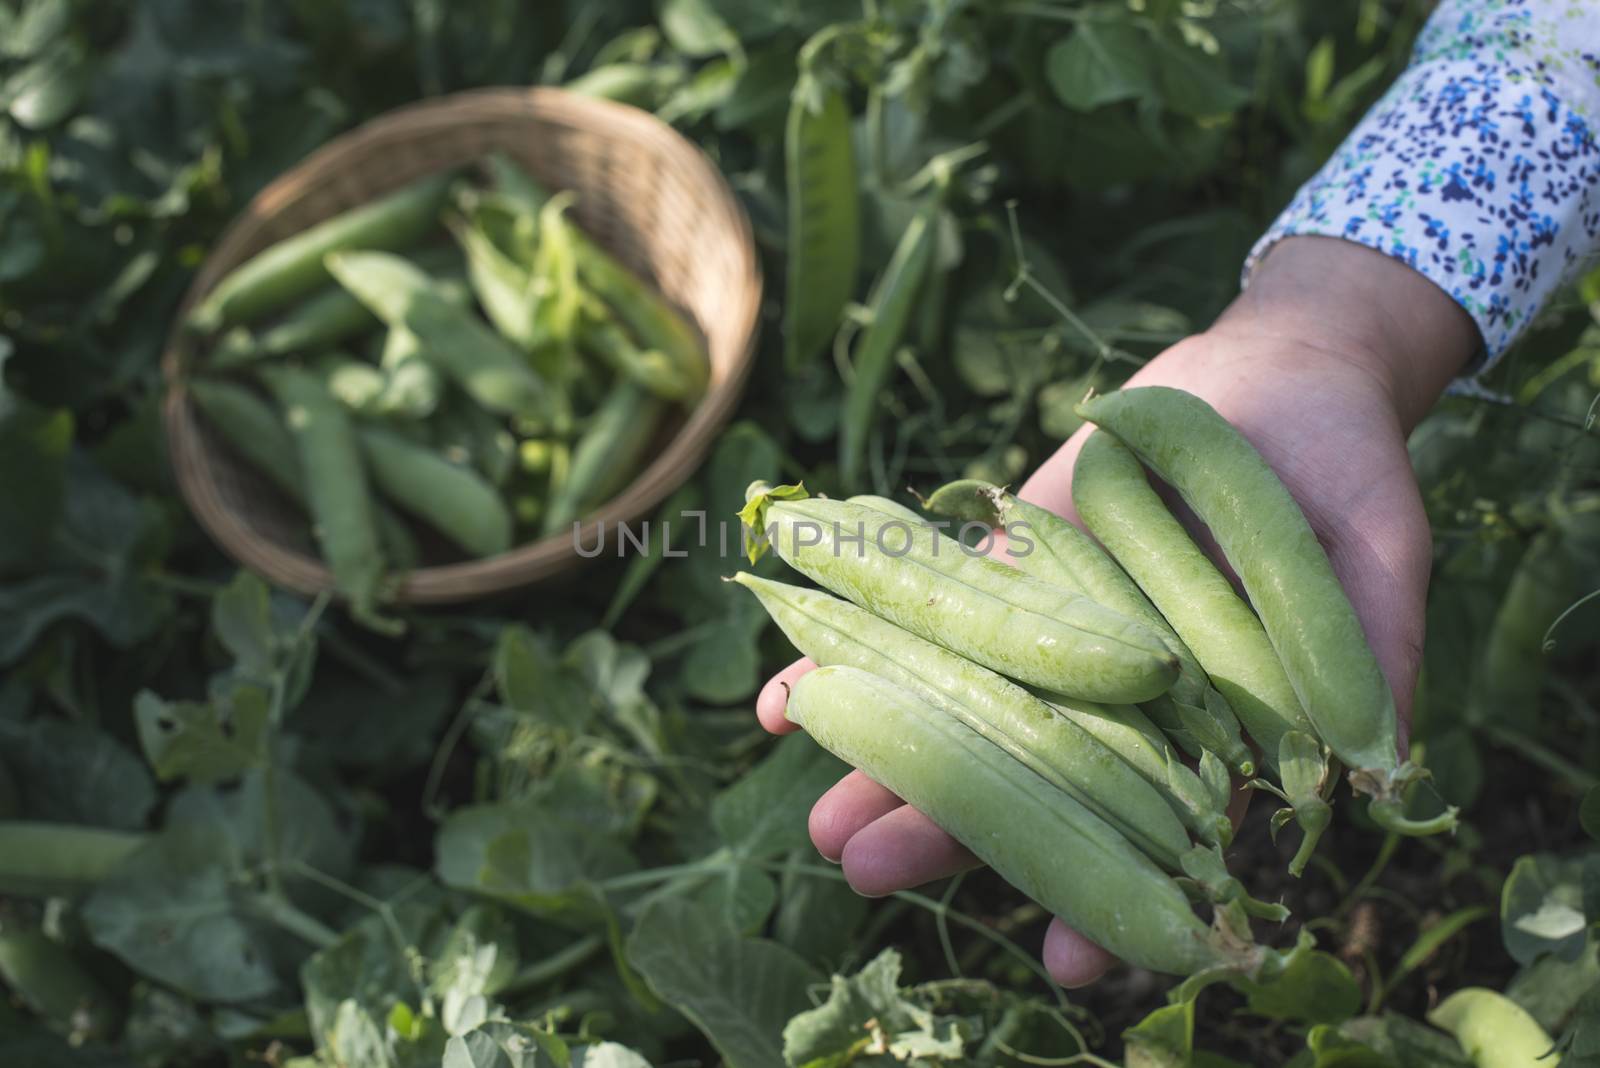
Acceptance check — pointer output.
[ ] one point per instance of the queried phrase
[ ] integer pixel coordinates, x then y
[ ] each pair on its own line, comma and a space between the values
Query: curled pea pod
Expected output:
1494, 1031
481, 362
653, 322
49, 979
58, 859
1061, 553
831, 631
824, 250
289, 270
893, 296
605, 457
448, 497
1089, 875
337, 492
1311, 624
257, 432
933, 587
1123, 511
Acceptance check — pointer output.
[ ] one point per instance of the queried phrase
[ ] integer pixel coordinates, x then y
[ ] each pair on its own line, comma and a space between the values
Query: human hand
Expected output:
1325, 364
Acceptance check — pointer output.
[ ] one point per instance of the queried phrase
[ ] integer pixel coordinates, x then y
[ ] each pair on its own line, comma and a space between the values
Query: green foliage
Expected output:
545, 830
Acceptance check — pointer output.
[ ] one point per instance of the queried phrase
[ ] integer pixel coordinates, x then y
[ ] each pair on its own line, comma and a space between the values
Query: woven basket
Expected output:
643, 191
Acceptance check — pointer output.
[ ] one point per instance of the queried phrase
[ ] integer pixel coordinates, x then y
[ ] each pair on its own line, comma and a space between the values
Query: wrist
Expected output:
1328, 296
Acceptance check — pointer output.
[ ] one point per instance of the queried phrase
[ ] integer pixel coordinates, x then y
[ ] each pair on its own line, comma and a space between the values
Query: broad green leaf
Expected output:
533, 681
241, 617
47, 90
1193, 82
367, 972
764, 813
527, 856
607, 1055
34, 26
1549, 988
173, 912
1101, 62
204, 742
1163, 1039
72, 773
309, 830
476, 1050
739, 991
871, 1008
724, 665
389, 725
478, 956
817, 916
1316, 988
1541, 909
696, 29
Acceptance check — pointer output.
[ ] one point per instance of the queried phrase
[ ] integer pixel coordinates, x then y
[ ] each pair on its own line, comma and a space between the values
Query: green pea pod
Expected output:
1089, 875
467, 435
599, 335
1312, 626
48, 978
654, 322
1056, 747
58, 859
477, 359
824, 250
1059, 552
324, 319
639, 84
257, 432
889, 507
1495, 1031
607, 456
290, 269
337, 492
448, 497
1123, 511
893, 296
504, 287
932, 586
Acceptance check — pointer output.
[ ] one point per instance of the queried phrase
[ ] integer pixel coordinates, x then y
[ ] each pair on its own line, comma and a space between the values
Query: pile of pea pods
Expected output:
457, 358
1080, 711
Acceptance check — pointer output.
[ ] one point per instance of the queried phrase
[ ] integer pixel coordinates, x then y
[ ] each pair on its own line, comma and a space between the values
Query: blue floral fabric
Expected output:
1479, 167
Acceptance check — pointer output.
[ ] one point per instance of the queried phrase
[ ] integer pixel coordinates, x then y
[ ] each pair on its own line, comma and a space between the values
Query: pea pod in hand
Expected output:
1061, 553
1035, 836
1288, 578
933, 587
1122, 509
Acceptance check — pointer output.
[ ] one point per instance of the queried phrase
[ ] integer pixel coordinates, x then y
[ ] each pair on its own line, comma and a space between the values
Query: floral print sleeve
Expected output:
1479, 167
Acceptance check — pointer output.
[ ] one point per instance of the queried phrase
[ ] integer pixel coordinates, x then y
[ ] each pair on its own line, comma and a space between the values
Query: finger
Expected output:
774, 697
899, 850
1071, 959
851, 804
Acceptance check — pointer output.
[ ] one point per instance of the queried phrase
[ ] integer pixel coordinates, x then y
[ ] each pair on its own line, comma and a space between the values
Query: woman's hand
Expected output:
1325, 363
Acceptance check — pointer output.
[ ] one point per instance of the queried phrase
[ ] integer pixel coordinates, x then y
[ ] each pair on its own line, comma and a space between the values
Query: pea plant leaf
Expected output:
739, 991
1193, 82
1101, 62
205, 742
1541, 909
871, 1008
1163, 1039
1315, 988
74, 773
764, 813
172, 912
